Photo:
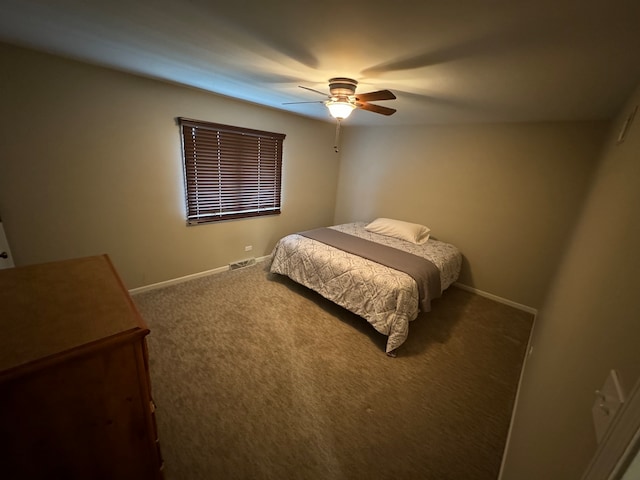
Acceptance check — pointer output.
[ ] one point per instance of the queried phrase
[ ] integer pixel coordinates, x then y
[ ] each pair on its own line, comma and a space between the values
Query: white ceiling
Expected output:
455, 61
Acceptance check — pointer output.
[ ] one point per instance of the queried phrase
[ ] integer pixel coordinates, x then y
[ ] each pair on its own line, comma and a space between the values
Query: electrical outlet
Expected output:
248, 248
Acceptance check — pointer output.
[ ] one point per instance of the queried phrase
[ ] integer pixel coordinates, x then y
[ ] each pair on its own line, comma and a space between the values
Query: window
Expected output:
230, 172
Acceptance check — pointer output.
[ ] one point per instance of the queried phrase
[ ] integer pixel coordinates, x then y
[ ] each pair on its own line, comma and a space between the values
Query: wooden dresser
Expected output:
75, 396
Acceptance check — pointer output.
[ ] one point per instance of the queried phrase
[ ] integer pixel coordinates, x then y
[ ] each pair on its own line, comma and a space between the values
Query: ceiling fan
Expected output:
344, 99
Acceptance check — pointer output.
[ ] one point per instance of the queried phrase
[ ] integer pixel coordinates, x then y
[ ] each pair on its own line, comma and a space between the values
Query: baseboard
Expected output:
528, 351
186, 278
516, 400
498, 299
214, 271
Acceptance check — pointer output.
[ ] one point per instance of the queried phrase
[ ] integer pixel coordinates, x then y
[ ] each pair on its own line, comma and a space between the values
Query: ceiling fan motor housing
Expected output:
342, 87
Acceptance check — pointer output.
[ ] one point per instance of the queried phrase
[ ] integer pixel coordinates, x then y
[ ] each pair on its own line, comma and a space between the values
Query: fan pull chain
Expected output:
335, 143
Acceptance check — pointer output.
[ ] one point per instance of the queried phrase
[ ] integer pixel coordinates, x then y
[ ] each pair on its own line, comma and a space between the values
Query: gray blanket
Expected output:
425, 273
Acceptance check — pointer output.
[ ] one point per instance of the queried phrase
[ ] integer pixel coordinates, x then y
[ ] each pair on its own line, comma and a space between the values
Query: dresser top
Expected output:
54, 307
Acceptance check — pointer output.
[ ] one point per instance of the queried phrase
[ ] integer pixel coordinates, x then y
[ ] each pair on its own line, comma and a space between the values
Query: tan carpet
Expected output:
256, 377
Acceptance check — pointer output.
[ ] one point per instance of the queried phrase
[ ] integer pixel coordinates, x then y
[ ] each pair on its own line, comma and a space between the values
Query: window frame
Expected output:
229, 172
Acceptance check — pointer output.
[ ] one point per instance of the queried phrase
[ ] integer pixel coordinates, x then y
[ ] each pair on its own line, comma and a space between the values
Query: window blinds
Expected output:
230, 172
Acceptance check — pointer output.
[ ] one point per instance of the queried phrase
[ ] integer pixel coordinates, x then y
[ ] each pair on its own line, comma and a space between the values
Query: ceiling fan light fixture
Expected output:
340, 109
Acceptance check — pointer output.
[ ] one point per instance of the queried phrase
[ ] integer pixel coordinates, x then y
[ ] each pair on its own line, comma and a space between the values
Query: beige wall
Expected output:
588, 325
90, 163
507, 195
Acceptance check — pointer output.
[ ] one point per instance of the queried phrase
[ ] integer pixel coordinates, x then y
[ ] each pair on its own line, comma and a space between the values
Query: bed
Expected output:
386, 297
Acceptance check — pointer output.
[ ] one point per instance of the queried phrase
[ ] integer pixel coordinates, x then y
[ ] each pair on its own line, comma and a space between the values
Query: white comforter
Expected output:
386, 298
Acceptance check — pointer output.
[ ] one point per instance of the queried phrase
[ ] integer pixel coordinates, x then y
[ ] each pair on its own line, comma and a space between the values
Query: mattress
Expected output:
388, 299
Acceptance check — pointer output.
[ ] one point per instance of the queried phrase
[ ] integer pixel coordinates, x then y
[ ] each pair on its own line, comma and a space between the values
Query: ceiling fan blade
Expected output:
376, 108
375, 96
312, 90
294, 103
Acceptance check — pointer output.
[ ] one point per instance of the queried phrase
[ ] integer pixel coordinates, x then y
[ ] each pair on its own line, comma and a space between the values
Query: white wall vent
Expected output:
242, 263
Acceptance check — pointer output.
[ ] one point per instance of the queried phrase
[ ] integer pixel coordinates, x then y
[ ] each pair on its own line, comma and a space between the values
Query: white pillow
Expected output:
411, 232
